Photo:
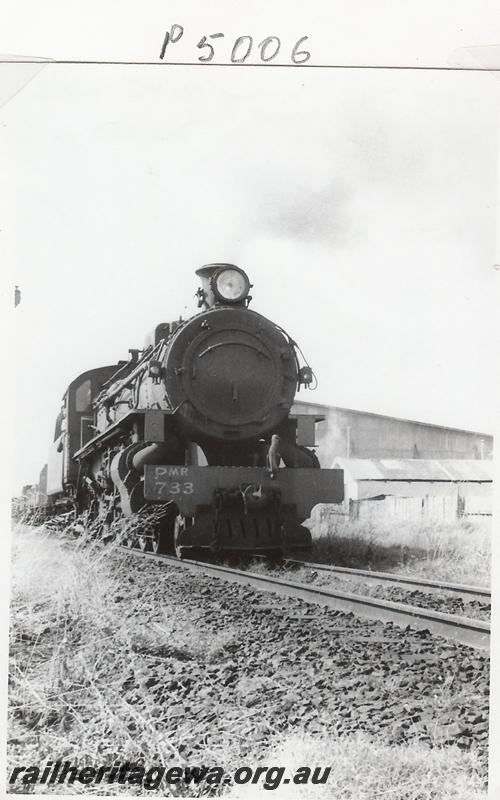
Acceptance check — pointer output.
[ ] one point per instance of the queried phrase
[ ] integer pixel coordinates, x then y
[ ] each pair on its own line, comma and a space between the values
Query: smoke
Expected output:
331, 441
308, 214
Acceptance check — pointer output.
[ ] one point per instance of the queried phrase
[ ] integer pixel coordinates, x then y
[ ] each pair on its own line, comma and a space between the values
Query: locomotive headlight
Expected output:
230, 285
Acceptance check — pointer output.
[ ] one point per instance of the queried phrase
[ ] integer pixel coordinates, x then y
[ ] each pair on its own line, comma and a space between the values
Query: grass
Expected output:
72, 654
362, 769
79, 690
459, 551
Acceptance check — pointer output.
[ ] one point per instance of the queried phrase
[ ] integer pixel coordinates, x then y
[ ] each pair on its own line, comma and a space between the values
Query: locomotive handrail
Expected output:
141, 367
239, 344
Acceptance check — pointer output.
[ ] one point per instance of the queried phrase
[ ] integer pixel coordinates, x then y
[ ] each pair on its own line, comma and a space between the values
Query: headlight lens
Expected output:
231, 285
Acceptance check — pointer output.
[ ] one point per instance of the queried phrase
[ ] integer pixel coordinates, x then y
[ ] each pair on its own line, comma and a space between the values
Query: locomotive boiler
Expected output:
199, 426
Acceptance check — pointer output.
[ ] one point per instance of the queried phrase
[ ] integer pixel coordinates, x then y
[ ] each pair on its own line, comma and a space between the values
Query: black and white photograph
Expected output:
249, 287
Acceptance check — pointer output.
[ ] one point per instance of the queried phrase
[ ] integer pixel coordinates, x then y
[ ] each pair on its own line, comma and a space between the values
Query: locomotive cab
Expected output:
73, 428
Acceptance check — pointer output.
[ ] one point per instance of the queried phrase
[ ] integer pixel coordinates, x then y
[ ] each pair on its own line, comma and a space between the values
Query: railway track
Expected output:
464, 591
471, 632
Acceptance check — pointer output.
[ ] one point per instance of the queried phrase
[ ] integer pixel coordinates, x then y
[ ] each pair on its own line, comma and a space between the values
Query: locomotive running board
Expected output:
190, 487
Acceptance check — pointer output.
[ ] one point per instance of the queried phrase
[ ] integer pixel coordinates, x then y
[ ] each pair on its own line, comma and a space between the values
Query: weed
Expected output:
362, 769
458, 551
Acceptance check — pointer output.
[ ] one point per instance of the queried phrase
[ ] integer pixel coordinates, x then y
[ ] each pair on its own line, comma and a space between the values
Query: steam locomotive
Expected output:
199, 427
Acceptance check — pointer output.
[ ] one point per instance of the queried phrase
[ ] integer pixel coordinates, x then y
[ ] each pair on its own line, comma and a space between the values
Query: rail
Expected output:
465, 591
471, 632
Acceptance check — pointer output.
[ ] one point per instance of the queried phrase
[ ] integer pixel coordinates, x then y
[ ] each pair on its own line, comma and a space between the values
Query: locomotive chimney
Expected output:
222, 284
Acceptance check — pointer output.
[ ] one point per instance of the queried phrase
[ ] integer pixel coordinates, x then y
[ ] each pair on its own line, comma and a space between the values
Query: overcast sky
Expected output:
361, 203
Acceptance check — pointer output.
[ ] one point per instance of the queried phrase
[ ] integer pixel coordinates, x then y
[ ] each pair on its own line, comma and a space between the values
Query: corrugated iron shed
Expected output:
304, 406
409, 469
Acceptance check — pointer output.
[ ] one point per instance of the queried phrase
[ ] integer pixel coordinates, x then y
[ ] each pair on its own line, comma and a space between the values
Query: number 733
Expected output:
174, 487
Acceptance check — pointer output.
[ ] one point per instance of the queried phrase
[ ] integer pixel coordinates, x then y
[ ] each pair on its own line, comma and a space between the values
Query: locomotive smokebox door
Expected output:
231, 374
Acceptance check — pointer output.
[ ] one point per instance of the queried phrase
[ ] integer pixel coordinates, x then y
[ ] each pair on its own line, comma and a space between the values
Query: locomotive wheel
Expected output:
156, 542
161, 541
164, 531
130, 539
144, 541
107, 534
181, 523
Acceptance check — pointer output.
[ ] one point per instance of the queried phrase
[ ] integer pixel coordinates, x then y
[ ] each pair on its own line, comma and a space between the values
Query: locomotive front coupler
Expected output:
247, 499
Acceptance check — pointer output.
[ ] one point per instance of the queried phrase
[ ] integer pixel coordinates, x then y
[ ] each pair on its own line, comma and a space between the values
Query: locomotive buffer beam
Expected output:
242, 508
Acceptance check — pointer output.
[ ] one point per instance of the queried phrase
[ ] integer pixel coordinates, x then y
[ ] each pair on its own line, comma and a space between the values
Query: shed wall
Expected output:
357, 434
378, 500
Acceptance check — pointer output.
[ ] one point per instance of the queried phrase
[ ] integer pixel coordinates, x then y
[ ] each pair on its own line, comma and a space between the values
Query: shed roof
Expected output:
416, 469
321, 408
